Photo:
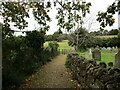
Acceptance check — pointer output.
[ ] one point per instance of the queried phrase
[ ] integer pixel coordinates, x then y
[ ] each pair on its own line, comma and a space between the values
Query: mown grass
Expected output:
62, 45
106, 55
108, 36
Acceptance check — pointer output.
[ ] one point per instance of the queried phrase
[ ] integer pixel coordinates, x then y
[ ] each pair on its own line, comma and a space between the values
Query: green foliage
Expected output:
68, 14
106, 18
16, 12
25, 54
35, 39
20, 59
106, 42
53, 46
86, 40
48, 37
1, 25
57, 36
67, 63
113, 32
119, 35
80, 39
105, 32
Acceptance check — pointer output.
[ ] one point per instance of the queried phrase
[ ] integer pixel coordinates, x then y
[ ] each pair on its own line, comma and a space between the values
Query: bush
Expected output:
67, 63
23, 55
35, 39
119, 35
53, 46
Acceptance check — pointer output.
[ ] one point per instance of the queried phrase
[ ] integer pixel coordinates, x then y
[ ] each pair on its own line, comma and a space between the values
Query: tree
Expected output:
105, 32
83, 41
106, 18
48, 37
35, 39
70, 14
113, 32
16, 12
57, 36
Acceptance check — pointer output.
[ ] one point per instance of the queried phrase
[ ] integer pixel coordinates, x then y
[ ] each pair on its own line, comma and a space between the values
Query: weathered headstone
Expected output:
108, 48
117, 60
96, 54
90, 51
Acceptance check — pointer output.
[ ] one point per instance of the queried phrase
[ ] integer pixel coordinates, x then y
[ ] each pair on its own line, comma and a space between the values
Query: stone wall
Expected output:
92, 75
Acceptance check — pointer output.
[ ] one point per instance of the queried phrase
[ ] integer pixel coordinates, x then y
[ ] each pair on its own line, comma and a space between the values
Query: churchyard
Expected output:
107, 54
82, 52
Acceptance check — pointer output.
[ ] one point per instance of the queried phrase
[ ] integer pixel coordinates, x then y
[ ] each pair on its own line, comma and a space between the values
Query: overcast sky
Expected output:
97, 5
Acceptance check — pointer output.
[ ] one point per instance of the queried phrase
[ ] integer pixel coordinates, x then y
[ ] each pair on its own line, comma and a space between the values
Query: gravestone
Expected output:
90, 51
96, 54
117, 60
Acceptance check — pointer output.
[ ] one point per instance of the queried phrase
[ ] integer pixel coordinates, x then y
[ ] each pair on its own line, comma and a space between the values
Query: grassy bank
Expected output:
62, 45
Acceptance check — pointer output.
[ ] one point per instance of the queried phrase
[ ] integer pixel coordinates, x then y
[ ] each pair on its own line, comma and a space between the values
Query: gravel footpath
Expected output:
52, 75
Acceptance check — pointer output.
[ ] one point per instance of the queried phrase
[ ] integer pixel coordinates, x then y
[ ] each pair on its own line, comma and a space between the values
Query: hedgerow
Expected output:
22, 56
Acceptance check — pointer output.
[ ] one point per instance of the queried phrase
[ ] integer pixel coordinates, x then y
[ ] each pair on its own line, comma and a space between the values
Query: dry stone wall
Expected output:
92, 75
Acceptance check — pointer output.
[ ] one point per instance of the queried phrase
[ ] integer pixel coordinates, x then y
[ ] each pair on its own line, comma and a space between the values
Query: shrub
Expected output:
23, 55
119, 35
35, 39
53, 46
67, 63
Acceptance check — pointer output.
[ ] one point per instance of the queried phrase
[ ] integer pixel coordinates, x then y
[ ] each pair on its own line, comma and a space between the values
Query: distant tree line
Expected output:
81, 39
105, 32
105, 42
57, 36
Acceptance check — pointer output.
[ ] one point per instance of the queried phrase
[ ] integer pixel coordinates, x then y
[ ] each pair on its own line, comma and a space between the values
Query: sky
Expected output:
97, 5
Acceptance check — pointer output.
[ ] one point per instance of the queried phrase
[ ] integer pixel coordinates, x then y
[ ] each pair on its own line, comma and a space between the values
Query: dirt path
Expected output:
52, 75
